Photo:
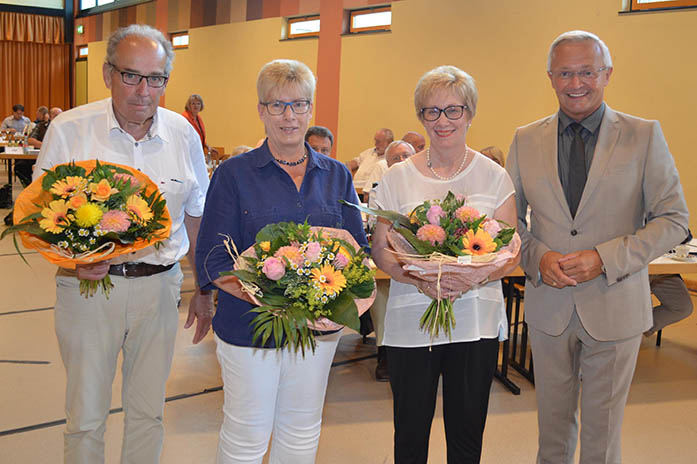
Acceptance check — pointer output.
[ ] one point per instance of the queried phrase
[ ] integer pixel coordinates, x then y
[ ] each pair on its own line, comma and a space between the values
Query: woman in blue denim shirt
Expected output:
267, 391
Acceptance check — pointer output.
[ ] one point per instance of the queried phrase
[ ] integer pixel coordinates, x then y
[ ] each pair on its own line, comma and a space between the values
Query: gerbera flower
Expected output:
69, 186
467, 214
138, 209
292, 254
56, 217
431, 233
102, 191
77, 200
88, 215
115, 221
329, 279
479, 243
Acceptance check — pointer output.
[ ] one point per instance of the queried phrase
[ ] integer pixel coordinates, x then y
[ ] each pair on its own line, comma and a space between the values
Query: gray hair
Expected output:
448, 78
579, 36
396, 143
279, 73
140, 30
320, 131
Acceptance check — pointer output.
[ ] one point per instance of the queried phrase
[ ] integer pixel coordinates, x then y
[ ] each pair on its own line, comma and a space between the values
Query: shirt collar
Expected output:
155, 128
591, 123
314, 159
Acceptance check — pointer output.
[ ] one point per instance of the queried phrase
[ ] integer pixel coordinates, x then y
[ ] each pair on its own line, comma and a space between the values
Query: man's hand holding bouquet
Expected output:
451, 247
86, 212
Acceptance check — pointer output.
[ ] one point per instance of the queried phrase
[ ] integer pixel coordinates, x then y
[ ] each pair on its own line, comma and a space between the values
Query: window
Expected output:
180, 40
638, 5
307, 26
88, 7
82, 52
371, 19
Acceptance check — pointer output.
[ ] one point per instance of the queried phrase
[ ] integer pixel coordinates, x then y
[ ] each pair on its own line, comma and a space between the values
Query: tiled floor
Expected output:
660, 420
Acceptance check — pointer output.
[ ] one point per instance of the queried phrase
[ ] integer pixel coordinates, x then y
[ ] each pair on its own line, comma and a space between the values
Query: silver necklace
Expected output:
430, 165
291, 163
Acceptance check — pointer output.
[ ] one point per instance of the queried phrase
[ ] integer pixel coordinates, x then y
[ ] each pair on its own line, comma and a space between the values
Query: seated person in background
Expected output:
362, 165
16, 122
239, 149
37, 135
675, 302
396, 152
320, 139
493, 153
41, 116
416, 140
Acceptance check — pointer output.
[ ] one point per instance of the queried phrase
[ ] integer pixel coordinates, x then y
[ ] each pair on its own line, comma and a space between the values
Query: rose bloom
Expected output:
492, 227
431, 233
102, 191
274, 268
467, 213
341, 261
77, 201
434, 214
312, 251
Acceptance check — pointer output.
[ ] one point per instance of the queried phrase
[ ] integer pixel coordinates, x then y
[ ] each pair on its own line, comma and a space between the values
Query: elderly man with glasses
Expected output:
140, 317
606, 200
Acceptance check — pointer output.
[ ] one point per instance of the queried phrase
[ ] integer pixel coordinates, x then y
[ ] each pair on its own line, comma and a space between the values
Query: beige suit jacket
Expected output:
632, 211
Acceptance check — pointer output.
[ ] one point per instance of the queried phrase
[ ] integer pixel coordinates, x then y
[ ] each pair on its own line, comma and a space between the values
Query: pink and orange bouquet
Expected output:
85, 212
303, 278
447, 236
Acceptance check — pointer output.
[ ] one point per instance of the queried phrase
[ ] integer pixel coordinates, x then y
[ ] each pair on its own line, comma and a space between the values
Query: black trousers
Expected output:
468, 370
23, 171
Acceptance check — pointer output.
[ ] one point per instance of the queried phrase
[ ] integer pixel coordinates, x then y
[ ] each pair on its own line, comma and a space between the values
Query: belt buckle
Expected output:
127, 267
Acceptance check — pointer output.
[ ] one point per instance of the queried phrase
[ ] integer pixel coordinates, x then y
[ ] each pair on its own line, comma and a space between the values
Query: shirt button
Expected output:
300, 205
574, 232
136, 144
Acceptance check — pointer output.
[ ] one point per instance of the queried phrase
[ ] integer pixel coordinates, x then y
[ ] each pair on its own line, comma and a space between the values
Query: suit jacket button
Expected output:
574, 232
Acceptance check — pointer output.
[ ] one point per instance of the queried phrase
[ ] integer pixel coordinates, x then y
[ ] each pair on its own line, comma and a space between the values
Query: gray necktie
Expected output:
577, 170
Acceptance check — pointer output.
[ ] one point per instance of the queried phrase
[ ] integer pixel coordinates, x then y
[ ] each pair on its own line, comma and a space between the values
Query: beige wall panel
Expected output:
80, 82
96, 90
221, 64
503, 45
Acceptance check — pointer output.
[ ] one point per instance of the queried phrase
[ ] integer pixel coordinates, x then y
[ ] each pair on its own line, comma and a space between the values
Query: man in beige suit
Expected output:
606, 200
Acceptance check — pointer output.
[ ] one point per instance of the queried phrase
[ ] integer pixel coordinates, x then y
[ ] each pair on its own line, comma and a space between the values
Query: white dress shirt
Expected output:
170, 154
366, 162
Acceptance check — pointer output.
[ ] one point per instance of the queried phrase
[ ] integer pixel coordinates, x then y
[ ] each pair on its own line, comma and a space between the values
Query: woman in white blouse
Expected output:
446, 102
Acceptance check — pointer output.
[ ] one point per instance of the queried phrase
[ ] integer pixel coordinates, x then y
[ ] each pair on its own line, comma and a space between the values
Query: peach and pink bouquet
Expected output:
446, 236
303, 278
85, 212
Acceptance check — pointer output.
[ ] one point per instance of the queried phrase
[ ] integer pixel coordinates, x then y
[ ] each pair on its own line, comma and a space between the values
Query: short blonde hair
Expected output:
193, 97
448, 78
281, 73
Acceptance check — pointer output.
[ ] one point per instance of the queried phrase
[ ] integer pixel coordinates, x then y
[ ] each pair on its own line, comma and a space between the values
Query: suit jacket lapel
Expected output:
607, 138
550, 159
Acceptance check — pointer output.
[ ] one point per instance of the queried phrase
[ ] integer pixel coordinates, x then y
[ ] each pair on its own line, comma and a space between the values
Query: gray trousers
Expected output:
607, 369
675, 300
140, 319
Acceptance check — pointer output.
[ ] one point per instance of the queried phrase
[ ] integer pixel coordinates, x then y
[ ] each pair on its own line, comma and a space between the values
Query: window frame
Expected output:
299, 19
655, 5
80, 57
115, 5
180, 34
363, 11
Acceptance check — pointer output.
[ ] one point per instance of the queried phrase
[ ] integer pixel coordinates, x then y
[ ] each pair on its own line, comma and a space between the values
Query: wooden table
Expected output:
10, 157
514, 352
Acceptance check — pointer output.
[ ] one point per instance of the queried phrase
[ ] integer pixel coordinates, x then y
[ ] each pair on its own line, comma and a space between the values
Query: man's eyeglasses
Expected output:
585, 75
452, 112
131, 78
278, 107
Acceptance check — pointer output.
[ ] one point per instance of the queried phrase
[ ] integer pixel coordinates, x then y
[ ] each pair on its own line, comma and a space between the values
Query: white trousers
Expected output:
140, 318
273, 392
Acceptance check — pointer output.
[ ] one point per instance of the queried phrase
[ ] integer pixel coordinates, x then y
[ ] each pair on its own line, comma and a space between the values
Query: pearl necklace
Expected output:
430, 165
292, 163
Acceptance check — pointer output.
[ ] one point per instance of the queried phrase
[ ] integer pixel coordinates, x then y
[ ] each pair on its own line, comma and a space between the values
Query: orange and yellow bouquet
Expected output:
85, 212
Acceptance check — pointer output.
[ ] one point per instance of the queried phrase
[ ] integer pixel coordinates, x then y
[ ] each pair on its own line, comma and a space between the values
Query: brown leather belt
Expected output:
130, 270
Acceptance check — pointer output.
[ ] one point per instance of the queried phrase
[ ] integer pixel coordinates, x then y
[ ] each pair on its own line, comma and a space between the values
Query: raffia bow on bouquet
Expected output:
85, 212
445, 237
303, 278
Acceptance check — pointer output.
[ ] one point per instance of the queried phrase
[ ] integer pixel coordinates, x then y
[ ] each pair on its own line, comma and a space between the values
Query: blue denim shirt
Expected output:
250, 191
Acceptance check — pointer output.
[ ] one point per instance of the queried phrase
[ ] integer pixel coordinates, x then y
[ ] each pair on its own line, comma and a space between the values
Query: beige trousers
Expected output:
139, 319
606, 370
379, 308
